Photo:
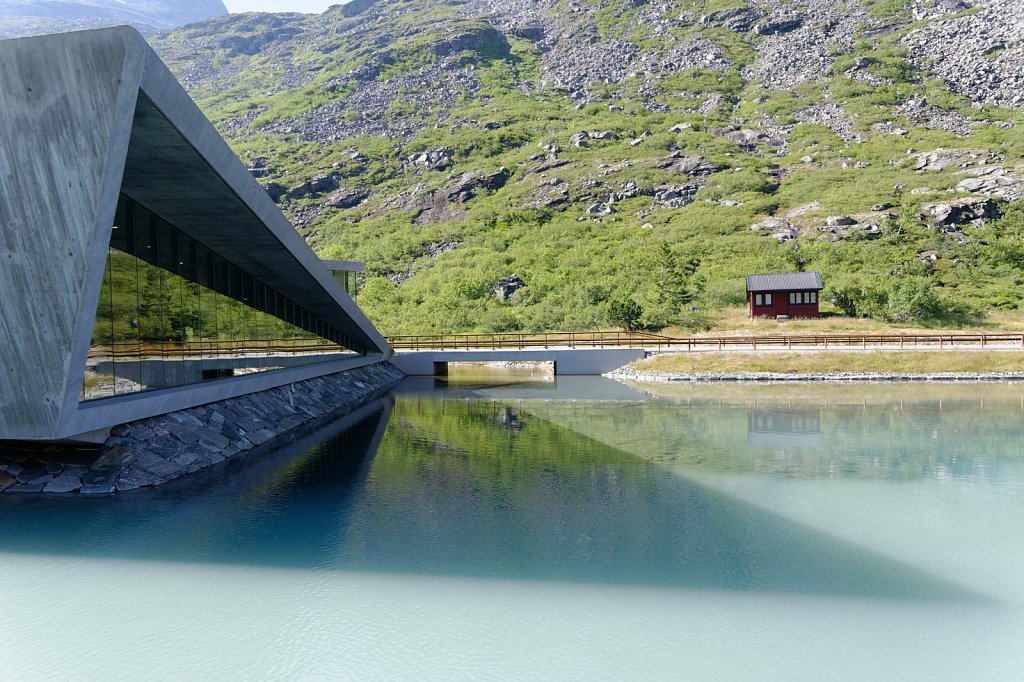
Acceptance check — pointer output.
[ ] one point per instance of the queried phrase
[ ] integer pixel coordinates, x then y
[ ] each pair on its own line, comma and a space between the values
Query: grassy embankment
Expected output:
733, 321
874, 362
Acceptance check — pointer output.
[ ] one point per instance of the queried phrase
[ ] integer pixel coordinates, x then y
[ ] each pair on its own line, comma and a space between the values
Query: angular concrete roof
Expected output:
85, 116
786, 281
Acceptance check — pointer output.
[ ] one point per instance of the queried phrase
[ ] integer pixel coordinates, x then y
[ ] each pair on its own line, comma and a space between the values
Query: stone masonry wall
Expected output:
160, 449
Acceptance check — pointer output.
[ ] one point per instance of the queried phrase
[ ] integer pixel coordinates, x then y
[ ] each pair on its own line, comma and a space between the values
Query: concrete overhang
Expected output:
180, 168
85, 117
344, 265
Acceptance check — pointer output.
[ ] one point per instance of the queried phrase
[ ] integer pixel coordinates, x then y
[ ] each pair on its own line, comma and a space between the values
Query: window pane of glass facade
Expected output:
173, 312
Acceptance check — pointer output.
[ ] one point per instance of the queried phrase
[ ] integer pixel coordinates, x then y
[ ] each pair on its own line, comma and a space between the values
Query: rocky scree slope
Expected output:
600, 150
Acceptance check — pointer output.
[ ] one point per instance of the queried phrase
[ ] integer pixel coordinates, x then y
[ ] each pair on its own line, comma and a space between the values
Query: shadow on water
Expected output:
421, 484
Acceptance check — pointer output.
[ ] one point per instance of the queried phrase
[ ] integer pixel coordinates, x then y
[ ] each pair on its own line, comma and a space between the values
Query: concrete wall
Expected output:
100, 415
587, 361
59, 180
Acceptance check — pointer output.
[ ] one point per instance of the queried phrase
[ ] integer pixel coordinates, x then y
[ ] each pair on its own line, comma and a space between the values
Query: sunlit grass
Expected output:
735, 322
837, 362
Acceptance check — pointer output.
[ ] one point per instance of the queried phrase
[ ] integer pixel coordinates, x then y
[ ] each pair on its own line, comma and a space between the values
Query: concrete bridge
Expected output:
566, 361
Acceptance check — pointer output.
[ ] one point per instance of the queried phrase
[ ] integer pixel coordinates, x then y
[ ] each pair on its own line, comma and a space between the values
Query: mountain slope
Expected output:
31, 17
656, 151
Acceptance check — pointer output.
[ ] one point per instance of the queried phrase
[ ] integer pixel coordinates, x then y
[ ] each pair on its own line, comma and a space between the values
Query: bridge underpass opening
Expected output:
525, 370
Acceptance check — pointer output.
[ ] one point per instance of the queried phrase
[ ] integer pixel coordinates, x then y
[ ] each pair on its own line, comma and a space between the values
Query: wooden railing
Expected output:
525, 341
211, 349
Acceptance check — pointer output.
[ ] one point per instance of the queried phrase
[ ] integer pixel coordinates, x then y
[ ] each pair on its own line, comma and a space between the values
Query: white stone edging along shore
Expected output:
159, 449
627, 374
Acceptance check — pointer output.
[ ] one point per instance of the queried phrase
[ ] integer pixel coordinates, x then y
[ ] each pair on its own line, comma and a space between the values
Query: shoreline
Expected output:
627, 375
154, 451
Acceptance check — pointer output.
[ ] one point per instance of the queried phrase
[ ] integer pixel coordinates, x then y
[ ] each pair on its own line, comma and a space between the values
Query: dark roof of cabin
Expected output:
785, 281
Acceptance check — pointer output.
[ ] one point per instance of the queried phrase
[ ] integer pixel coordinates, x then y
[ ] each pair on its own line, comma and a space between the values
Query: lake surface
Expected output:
575, 528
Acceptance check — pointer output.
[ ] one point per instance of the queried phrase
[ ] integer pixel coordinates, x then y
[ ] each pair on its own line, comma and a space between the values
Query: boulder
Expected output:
839, 221
687, 165
315, 187
940, 159
276, 191
434, 159
770, 224
775, 27
740, 19
675, 196
474, 38
506, 286
961, 211
114, 458
258, 166
7, 481
346, 197
444, 204
65, 483
779, 229
435, 249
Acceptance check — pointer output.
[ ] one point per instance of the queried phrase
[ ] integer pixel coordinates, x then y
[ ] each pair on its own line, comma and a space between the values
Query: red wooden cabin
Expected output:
791, 294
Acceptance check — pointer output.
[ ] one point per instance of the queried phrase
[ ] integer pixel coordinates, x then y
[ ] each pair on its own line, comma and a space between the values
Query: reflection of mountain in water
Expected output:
906, 431
444, 488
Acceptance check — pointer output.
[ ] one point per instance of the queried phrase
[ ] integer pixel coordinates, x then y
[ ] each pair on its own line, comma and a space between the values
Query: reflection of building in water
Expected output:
773, 426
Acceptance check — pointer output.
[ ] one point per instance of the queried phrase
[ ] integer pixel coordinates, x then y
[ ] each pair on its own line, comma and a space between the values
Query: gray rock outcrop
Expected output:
506, 286
445, 204
961, 211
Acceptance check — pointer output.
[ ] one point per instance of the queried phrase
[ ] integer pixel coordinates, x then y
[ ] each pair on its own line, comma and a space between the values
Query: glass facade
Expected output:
173, 312
349, 280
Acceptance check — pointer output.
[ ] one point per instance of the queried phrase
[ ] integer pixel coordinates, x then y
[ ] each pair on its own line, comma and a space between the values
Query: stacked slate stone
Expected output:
160, 449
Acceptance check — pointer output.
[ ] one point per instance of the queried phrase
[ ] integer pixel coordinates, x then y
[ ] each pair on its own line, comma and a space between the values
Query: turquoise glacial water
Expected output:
569, 529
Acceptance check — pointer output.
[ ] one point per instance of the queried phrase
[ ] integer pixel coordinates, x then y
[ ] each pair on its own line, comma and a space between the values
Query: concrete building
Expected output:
142, 268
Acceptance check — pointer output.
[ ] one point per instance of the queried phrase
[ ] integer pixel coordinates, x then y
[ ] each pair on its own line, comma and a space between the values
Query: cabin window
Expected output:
758, 299
814, 297
793, 297
767, 299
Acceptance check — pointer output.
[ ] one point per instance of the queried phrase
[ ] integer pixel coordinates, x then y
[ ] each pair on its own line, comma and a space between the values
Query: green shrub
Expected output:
625, 313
